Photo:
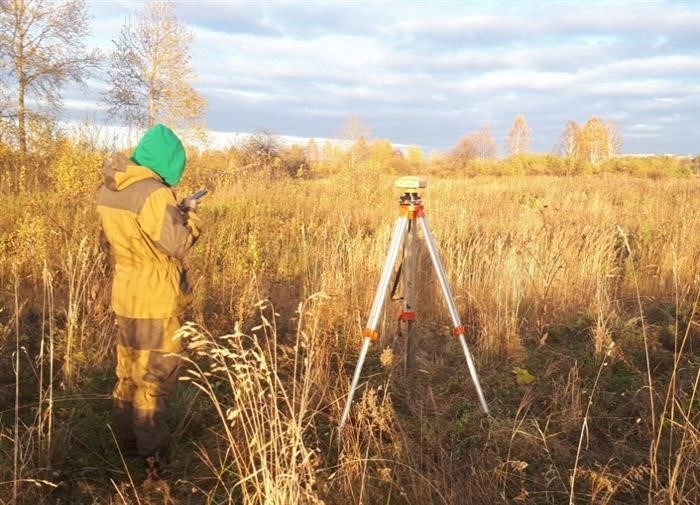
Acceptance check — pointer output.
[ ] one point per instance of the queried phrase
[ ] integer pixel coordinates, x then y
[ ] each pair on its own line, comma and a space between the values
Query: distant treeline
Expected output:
70, 163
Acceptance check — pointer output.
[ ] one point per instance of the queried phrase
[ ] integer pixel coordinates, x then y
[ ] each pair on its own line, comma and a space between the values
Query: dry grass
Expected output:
589, 282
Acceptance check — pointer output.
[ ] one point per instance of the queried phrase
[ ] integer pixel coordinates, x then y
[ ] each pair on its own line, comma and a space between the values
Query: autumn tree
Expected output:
260, 150
570, 140
415, 157
614, 138
4, 91
484, 144
41, 48
354, 129
356, 132
519, 136
381, 156
594, 142
150, 74
464, 152
312, 150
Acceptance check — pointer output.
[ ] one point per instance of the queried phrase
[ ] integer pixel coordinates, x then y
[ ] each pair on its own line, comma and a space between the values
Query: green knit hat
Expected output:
161, 151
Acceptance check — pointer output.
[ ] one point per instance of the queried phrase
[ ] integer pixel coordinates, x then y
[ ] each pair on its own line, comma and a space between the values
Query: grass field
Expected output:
579, 295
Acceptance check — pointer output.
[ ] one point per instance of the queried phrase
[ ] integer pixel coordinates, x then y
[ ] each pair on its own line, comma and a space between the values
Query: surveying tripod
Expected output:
411, 212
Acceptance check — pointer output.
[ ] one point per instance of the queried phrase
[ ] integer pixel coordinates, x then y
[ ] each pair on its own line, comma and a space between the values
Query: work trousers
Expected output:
147, 371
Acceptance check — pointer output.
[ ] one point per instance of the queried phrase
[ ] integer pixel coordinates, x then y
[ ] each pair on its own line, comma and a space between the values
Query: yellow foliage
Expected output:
414, 155
31, 240
76, 169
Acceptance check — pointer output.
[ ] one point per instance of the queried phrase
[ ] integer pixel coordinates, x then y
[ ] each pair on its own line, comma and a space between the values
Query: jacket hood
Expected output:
118, 172
161, 151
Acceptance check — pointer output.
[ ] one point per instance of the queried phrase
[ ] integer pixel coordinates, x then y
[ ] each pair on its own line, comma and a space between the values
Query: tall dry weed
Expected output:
265, 394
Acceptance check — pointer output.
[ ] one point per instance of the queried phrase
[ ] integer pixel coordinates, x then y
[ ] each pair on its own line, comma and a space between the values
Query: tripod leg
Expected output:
370, 332
408, 315
458, 328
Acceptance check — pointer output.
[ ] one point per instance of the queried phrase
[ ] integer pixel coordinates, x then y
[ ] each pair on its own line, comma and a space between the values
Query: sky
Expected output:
428, 73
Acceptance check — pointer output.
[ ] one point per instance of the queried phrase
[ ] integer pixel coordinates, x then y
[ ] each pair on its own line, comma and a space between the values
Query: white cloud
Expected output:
637, 89
643, 127
81, 105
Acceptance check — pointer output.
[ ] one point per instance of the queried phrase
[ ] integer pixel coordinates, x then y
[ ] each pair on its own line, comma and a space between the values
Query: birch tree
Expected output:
354, 129
357, 132
150, 73
484, 143
519, 136
570, 140
5, 100
594, 141
614, 138
41, 48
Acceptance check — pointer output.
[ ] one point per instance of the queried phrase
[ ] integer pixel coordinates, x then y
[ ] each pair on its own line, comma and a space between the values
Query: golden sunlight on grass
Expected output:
587, 285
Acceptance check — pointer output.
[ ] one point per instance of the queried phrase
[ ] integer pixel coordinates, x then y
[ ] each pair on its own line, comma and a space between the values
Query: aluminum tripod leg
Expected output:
453, 309
379, 297
407, 319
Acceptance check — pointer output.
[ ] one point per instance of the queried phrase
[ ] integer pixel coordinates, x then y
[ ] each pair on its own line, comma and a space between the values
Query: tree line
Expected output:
593, 142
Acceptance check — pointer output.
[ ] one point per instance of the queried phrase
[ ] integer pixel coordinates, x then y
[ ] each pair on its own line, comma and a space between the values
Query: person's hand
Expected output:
188, 204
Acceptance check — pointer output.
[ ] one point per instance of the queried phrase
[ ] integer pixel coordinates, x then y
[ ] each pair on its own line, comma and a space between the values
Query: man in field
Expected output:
148, 235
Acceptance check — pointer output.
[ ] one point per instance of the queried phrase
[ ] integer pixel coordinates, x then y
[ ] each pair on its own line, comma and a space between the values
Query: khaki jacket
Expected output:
148, 237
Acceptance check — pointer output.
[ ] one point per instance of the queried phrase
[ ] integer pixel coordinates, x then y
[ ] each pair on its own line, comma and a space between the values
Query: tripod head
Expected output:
410, 185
